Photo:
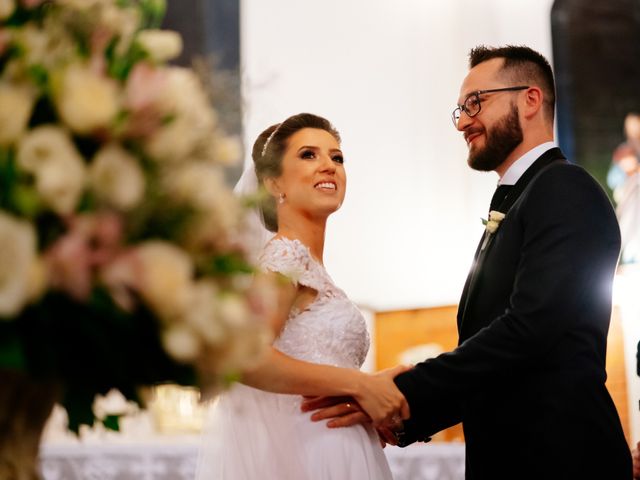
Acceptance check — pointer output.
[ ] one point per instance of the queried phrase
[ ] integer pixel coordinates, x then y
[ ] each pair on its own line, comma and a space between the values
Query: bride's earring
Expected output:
281, 198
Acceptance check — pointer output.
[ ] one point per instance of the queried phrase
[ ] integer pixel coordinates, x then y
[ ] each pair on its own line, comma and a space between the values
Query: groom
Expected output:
527, 379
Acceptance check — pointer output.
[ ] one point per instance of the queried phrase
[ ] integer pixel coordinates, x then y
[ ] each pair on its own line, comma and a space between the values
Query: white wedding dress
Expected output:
251, 434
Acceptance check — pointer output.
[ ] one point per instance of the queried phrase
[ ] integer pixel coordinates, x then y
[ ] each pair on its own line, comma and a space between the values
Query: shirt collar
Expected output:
517, 169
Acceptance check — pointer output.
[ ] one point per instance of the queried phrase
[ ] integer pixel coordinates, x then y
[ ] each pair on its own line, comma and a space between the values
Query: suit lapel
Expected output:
543, 161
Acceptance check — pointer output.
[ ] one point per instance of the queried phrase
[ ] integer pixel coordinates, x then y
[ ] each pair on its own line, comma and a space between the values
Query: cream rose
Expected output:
86, 100
16, 105
50, 155
113, 403
17, 256
166, 278
227, 150
193, 120
116, 177
493, 223
6, 8
197, 184
161, 45
181, 343
233, 310
202, 314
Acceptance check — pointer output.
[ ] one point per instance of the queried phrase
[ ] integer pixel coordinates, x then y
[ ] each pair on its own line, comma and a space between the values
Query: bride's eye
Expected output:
308, 154
338, 158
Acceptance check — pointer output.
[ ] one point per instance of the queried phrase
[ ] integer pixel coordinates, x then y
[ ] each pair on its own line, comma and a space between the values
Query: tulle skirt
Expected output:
252, 435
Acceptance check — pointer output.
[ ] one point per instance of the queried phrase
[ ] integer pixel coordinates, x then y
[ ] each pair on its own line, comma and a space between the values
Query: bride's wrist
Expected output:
357, 385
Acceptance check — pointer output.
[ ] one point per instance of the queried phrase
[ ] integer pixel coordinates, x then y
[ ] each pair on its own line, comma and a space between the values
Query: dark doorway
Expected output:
596, 54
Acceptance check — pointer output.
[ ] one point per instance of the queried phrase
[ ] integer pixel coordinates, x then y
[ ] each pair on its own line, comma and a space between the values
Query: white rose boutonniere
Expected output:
493, 223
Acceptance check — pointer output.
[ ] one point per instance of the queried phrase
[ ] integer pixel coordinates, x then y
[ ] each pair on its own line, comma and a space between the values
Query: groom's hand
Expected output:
342, 411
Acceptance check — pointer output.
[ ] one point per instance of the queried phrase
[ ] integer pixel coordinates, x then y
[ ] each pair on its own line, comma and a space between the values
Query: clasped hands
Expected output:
376, 400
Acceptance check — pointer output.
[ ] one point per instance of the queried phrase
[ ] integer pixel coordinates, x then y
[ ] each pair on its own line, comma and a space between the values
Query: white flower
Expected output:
43, 46
227, 150
173, 141
6, 8
161, 45
245, 348
166, 277
202, 315
116, 177
16, 105
181, 342
233, 310
493, 223
197, 184
192, 118
87, 101
202, 186
50, 155
113, 403
17, 256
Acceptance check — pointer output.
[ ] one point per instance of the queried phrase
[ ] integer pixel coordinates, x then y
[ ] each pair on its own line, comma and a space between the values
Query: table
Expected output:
176, 459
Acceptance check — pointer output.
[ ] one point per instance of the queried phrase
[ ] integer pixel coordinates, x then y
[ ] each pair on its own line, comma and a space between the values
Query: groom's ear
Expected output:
271, 184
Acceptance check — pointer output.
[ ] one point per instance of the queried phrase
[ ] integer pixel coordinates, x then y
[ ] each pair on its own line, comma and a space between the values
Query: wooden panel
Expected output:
616, 373
399, 330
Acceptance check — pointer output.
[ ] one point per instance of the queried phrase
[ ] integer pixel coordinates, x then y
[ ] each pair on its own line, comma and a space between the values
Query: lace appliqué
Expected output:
331, 330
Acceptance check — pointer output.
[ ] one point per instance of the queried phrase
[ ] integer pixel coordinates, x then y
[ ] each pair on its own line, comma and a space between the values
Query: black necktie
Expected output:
499, 195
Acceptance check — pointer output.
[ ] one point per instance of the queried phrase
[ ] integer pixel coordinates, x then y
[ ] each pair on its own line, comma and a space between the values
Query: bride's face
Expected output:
313, 179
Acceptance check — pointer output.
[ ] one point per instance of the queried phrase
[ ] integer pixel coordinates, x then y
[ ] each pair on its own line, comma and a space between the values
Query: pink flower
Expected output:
143, 91
90, 242
5, 38
69, 265
99, 40
122, 277
31, 3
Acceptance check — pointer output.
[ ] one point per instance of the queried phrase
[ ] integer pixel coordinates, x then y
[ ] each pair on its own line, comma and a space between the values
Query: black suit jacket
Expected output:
527, 378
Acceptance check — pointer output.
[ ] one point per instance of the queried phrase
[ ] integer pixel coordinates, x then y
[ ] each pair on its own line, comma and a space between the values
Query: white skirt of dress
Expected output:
251, 434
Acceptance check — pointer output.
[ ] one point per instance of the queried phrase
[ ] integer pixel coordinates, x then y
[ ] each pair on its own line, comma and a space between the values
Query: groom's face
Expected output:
494, 133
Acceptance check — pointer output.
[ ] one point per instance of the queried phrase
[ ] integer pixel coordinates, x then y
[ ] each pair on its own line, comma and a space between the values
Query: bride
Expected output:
257, 429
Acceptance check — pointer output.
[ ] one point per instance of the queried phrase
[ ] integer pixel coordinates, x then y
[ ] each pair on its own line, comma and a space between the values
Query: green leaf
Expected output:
11, 351
119, 66
40, 76
112, 422
78, 403
231, 378
153, 11
26, 200
228, 264
7, 178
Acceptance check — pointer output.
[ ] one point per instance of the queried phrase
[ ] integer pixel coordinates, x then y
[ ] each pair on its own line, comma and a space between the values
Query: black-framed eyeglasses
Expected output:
472, 104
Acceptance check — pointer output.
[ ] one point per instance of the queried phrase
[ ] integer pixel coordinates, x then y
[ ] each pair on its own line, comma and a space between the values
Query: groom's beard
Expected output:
501, 140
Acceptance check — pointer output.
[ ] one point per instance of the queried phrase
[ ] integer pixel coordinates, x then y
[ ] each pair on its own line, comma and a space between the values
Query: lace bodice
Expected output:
331, 330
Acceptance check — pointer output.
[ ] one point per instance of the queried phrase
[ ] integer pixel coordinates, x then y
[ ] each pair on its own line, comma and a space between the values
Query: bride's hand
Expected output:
379, 397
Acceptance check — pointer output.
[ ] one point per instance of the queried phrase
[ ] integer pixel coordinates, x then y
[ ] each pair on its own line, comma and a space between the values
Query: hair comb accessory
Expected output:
266, 144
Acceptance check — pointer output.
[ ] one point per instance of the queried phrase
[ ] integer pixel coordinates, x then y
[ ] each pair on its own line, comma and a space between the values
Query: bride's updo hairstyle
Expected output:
269, 149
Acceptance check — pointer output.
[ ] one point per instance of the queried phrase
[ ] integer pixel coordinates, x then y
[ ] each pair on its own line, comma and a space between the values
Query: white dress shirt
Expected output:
517, 169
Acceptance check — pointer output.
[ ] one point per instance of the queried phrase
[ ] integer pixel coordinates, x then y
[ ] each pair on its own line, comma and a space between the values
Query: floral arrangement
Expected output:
119, 260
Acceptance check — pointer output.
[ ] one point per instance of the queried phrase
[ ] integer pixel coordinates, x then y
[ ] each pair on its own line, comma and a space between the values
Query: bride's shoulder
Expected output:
286, 249
289, 257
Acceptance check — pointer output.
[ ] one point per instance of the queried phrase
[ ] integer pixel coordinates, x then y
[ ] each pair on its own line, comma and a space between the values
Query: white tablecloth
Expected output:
175, 459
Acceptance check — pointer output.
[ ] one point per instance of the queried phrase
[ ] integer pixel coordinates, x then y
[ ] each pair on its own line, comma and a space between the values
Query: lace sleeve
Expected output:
292, 259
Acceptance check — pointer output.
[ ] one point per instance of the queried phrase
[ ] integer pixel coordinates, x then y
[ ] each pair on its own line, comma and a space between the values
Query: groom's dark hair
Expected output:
522, 66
